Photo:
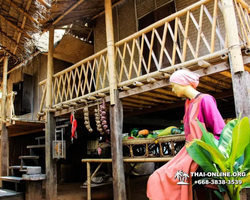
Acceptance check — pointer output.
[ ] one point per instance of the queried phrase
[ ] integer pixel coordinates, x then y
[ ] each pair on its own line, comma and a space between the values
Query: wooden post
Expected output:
88, 182
4, 159
51, 172
116, 120
240, 78
116, 111
111, 50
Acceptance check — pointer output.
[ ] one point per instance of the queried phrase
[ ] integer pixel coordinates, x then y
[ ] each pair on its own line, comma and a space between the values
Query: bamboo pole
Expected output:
4, 88
185, 37
232, 34
127, 160
214, 25
199, 31
25, 62
203, 63
64, 14
88, 182
110, 50
244, 5
23, 25
242, 24
101, 13
164, 37
50, 69
4, 133
8, 52
1, 59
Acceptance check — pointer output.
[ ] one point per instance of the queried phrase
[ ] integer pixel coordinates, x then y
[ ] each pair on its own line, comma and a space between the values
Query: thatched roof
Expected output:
75, 14
19, 19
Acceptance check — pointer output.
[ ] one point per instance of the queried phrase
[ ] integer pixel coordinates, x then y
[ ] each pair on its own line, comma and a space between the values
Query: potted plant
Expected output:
230, 155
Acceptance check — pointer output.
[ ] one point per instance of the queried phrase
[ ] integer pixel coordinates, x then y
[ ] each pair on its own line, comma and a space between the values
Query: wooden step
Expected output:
18, 167
28, 157
14, 179
36, 146
10, 194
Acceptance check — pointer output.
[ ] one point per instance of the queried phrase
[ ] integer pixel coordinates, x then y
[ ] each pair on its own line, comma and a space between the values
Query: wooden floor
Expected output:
72, 191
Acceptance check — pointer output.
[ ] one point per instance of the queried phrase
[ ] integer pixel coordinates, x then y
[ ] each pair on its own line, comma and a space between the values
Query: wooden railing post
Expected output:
4, 157
232, 35
51, 172
240, 78
116, 111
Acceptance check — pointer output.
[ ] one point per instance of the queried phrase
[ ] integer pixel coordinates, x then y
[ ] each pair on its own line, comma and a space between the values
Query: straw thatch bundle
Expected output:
19, 20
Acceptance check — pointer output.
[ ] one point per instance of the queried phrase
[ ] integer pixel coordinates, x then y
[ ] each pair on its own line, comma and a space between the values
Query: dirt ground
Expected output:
72, 191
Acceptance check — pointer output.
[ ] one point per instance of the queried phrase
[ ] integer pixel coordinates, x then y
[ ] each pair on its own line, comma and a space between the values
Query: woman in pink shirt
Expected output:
162, 184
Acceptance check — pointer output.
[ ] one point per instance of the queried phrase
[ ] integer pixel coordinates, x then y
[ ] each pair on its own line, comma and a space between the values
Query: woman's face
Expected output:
178, 89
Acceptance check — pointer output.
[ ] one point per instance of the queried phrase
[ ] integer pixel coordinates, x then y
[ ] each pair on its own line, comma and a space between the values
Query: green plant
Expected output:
231, 154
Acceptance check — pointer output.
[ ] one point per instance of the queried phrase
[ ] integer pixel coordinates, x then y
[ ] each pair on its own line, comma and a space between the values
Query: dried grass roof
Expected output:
75, 14
19, 19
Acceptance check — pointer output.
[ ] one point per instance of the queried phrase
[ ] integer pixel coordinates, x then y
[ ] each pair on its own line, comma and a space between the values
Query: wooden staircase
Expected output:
13, 186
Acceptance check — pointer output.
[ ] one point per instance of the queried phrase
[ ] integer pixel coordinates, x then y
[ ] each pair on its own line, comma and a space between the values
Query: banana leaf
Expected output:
216, 156
246, 164
246, 181
240, 140
218, 194
225, 141
207, 137
200, 156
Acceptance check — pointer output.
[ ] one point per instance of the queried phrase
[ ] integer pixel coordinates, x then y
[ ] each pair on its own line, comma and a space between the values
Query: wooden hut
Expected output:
118, 54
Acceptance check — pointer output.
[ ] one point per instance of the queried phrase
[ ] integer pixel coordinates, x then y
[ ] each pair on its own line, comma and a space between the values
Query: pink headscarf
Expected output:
184, 77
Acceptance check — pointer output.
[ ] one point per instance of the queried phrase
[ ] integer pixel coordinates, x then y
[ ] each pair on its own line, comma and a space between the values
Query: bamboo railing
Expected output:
10, 111
180, 40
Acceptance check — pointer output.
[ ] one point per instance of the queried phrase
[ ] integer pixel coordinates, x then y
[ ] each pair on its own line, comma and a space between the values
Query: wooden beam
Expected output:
22, 26
22, 11
163, 83
51, 167
4, 158
15, 27
116, 110
64, 14
25, 132
101, 13
1, 59
8, 52
24, 62
221, 95
50, 69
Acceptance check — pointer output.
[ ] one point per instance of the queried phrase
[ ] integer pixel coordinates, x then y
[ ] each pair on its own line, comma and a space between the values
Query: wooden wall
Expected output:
37, 68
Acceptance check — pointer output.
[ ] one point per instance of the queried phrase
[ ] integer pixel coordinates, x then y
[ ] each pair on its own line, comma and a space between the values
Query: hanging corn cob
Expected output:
86, 118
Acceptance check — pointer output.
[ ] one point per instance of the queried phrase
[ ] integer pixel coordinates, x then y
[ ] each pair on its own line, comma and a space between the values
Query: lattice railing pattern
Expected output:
182, 36
87, 77
187, 35
242, 12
